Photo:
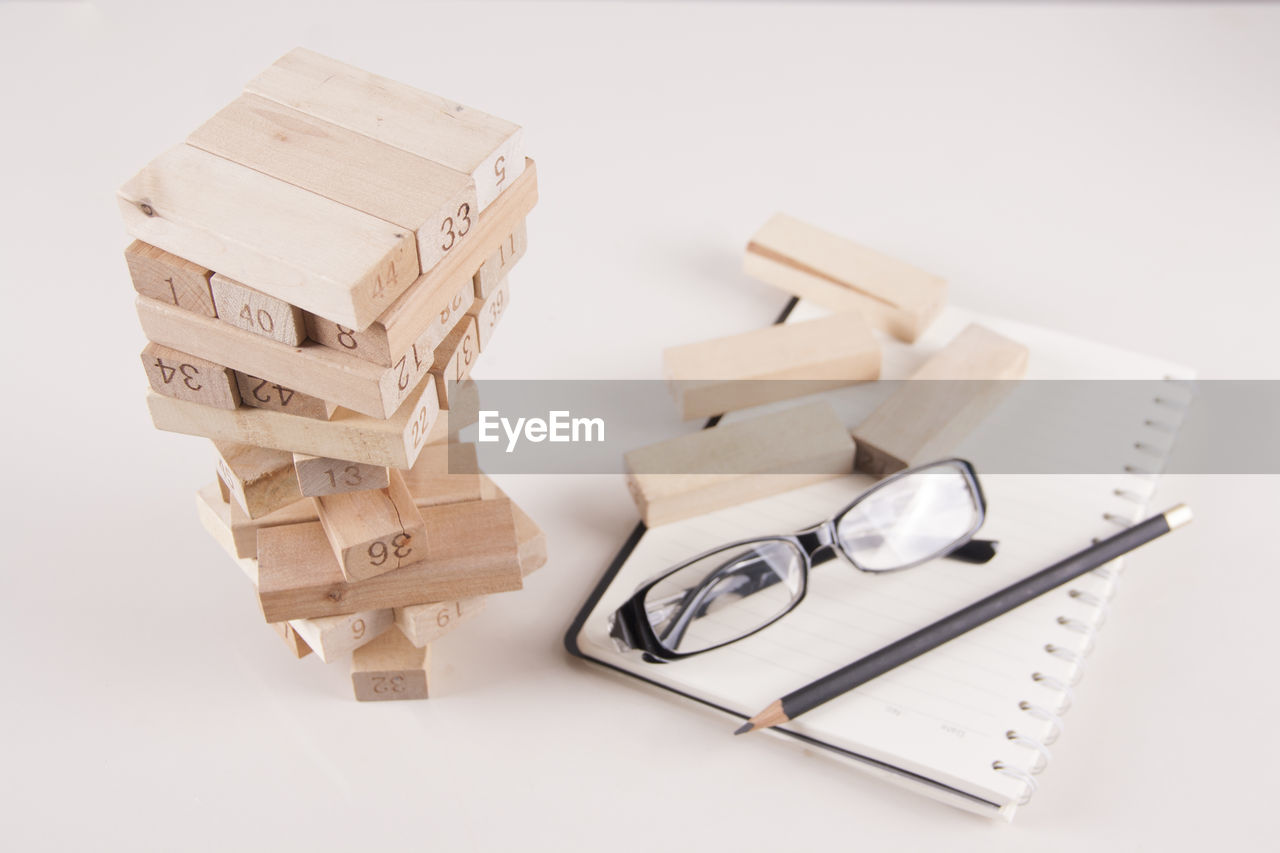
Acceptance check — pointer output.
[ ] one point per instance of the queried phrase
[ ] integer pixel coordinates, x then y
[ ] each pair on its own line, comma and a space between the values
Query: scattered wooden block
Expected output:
265, 394
255, 311
435, 202
417, 310
425, 623
499, 263
394, 442
843, 276
303, 248
488, 149
390, 668
777, 362
180, 376
488, 312
292, 640
473, 550
447, 473
260, 480
333, 637
455, 357
738, 462
322, 475
927, 415
169, 278
310, 368
375, 531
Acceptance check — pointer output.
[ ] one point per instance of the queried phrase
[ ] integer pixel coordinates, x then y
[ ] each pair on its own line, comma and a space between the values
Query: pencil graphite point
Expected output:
744, 728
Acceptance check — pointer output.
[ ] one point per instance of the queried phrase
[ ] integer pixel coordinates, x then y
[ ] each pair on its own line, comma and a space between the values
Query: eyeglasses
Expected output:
733, 591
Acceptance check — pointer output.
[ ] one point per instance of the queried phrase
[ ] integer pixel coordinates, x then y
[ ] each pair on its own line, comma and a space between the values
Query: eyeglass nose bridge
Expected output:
818, 542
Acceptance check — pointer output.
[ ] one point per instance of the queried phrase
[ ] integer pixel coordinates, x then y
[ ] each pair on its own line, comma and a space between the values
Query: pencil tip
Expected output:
744, 728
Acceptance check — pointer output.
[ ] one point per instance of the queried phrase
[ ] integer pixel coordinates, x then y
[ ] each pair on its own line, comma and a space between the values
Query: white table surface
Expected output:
1108, 171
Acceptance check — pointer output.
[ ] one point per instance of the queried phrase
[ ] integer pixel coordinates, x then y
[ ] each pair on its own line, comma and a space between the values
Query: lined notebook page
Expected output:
946, 715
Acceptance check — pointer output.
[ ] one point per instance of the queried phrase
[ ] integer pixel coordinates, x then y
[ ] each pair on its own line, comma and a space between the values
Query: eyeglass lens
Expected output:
906, 521
725, 595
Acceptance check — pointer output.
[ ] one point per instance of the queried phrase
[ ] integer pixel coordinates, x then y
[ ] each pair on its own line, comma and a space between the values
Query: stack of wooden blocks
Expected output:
318, 267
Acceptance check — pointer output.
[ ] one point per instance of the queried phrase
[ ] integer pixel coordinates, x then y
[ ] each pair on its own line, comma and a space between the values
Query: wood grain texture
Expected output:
169, 278
425, 623
447, 306
260, 480
489, 311
499, 263
312, 369
265, 394
194, 380
447, 473
312, 252
375, 531
488, 149
255, 311
434, 202
842, 275
777, 362
942, 402
734, 463
417, 309
390, 668
293, 641
322, 475
394, 442
455, 357
472, 550
334, 637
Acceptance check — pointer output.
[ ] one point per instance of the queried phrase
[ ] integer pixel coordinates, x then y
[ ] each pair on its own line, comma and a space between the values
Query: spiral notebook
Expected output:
973, 722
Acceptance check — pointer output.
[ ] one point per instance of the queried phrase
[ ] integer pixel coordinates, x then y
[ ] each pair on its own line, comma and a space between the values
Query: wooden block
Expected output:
255, 311
435, 202
333, 637
265, 394
929, 414
488, 149
448, 305
447, 473
425, 623
296, 644
169, 278
455, 357
738, 372
186, 377
375, 531
260, 480
841, 275
303, 248
499, 263
489, 311
417, 309
394, 442
310, 368
321, 475
473, 550
223, 491
390, 668
734, 463
533, 542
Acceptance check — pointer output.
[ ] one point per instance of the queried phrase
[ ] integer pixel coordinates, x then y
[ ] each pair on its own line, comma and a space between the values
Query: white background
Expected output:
1110, 171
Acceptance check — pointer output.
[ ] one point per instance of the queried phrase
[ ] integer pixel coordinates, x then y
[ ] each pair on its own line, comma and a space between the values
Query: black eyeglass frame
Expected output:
817, 544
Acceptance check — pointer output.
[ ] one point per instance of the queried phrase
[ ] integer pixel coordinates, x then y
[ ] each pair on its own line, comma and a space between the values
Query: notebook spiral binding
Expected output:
1110, 573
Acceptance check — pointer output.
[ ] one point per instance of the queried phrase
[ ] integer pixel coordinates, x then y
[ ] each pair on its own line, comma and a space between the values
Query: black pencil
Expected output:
895, 654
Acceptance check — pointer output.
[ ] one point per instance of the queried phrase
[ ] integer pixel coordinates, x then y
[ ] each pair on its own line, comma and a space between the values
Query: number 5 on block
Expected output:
374, 531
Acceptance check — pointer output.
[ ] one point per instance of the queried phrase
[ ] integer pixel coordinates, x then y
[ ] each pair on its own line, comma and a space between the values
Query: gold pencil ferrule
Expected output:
1178, 516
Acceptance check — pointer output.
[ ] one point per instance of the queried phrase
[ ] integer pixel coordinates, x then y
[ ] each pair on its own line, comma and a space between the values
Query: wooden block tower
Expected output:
317, 266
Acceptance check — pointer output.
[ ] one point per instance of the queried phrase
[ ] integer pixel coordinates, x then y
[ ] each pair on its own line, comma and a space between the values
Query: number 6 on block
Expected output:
373, 531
